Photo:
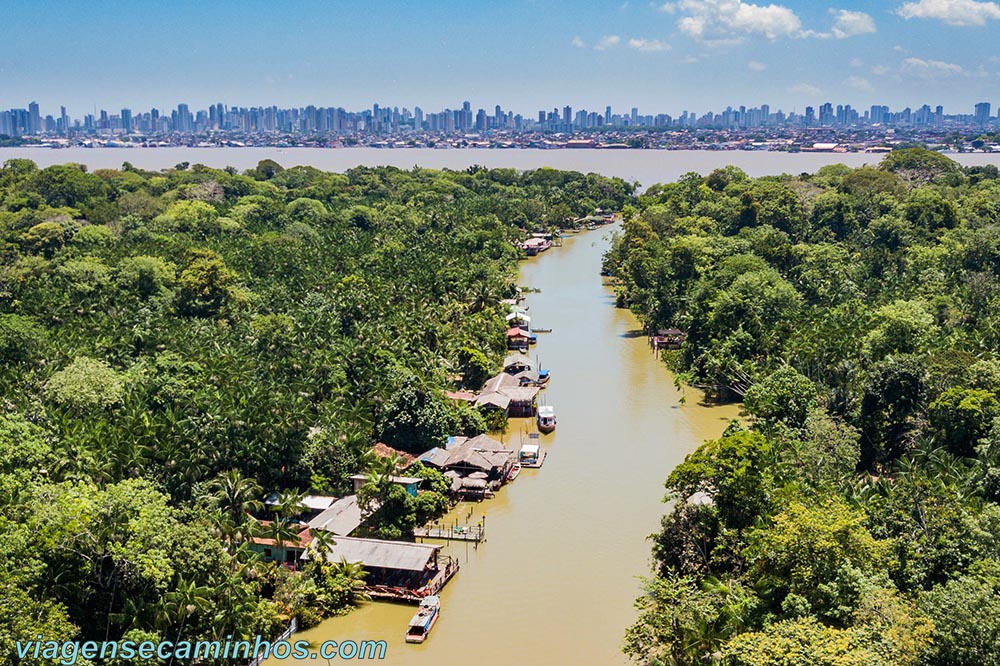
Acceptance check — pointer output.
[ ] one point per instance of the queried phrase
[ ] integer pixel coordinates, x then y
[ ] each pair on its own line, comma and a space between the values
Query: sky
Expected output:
666, 56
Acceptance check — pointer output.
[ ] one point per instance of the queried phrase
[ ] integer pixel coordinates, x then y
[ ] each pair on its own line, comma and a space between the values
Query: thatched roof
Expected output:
375, 553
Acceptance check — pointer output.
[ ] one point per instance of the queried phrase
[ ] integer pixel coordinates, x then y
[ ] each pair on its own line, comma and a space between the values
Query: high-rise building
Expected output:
127, 120
34, 119
982, 113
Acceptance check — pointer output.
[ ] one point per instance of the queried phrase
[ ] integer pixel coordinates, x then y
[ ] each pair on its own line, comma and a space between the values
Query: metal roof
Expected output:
383, 554
341, 519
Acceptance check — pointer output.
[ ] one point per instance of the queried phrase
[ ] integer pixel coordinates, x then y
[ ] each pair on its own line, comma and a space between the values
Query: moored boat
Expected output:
546, 418
422, 623
514, 471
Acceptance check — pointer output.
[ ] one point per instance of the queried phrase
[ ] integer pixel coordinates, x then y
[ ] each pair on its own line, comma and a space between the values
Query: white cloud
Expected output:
929, 69
731, 21
714, 19
755, 66
952, 12
857, 62
607, 42
859, 83
648, 45
880, 70
578, 43
850, 24
805, 89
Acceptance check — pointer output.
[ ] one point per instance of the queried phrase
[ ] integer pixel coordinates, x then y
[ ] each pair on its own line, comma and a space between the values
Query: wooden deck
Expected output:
460, 533
408, 596
541, 459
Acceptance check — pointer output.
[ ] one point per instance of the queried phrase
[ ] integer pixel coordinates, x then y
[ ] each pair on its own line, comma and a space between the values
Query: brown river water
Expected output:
555, 581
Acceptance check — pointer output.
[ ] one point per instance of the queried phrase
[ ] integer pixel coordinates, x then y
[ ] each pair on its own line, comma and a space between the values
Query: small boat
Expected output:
422, 623
541, 330
514, 471
546, 418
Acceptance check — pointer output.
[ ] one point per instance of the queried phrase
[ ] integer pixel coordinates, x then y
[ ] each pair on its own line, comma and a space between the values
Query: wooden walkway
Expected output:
461, 533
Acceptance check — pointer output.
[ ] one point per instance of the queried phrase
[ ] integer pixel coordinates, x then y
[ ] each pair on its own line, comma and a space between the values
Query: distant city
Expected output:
824, 127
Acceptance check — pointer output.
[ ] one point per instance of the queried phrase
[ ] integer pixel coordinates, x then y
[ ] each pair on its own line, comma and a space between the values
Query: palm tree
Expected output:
354, 573
321, 544
236, 495
289, 503
177, 606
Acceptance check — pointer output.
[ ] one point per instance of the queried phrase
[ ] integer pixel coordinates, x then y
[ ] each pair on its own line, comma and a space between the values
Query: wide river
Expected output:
644, 166
566, 544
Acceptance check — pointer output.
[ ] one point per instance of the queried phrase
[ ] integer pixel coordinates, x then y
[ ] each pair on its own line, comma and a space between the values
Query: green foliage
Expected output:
86, 383
962, 417
853, 311
784, 396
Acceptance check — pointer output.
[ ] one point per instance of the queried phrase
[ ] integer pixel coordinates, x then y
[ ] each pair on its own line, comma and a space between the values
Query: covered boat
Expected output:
422, 623
546, 418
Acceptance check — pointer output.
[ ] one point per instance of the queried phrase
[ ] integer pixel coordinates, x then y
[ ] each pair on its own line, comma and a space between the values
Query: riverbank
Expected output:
557, 575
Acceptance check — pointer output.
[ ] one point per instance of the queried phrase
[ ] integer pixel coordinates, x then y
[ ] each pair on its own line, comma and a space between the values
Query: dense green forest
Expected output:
853, 518
176, 345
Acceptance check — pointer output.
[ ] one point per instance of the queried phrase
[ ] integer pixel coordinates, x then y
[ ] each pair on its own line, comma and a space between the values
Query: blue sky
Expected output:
665, 56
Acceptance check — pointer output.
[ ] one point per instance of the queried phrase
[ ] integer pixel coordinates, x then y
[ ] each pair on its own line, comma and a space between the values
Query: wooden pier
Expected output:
475, 533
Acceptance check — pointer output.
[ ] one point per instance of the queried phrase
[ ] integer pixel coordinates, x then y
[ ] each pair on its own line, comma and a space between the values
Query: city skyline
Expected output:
630, 53
385, 120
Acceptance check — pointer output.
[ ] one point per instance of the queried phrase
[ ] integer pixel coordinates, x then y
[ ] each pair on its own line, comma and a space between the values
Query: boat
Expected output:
514, 471
422, 623
546, 418
541, 330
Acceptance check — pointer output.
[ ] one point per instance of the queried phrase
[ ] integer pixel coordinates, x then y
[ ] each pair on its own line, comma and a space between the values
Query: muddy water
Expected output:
566, 544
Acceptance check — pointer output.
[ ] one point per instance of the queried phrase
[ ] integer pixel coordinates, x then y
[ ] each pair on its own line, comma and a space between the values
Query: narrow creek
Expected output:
566, 544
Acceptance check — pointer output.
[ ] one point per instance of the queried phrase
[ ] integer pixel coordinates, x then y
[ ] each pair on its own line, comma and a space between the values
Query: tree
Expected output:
236, 495
206, 285
966, 616
784, 396
962, 417
21, 338
813, 559
734, 471
86, 384
800, 642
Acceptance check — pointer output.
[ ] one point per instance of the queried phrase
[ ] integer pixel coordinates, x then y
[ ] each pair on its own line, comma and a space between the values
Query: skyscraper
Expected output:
34, 119
982, 113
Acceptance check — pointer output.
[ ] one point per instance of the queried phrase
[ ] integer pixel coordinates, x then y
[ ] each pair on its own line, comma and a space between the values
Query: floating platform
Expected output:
542, 453
461, 533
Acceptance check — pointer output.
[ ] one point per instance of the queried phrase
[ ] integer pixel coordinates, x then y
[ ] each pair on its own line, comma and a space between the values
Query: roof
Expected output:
516, 332
481, 452
383, 554
500, 382
461, 396
518, 315
401, 480
341, 519
546, 410
494, 399
521, 393
386, 451
517, 359
301, 541
318, 502
530, 448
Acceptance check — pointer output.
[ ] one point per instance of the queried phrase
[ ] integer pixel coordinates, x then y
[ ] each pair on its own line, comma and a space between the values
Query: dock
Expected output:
411, 596
535, 465
474, 533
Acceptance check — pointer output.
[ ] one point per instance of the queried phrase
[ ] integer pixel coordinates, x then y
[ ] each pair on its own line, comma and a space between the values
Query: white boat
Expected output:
422, 623
546, 418
514, 471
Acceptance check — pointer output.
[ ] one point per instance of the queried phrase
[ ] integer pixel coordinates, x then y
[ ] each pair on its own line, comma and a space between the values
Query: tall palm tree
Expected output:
236, 495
